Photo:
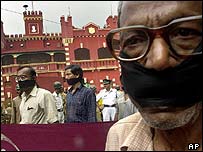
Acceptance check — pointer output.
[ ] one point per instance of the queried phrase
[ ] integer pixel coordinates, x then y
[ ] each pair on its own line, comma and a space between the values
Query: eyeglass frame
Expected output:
19, 78
153, 31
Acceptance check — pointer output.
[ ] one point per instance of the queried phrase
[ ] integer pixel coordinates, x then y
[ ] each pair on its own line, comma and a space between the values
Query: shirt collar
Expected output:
140, 138
32, 93
78, 88
109, 90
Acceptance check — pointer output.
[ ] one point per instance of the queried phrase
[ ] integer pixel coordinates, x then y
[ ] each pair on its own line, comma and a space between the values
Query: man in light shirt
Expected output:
37, 105
108, 95
126, 107
60, 100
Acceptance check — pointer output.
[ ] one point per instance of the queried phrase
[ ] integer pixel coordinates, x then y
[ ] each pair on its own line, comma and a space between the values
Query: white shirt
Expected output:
109, 97
38, 107
126, 108
58, 100
120, 96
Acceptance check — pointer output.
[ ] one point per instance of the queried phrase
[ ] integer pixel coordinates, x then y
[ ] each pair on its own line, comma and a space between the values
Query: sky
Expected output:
82, 13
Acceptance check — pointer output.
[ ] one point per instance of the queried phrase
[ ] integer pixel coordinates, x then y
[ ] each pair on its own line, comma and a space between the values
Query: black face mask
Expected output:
180, 86
26, 84
73, 81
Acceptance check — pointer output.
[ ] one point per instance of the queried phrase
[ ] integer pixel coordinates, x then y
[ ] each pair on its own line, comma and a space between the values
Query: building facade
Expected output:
49, 53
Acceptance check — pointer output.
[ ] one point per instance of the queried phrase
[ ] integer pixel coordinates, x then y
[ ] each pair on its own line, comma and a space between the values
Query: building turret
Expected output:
33, 23
67, 35
111, 22
2, 36
66, 27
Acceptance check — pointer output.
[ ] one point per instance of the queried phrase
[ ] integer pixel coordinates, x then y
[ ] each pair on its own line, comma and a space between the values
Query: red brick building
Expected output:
49, 53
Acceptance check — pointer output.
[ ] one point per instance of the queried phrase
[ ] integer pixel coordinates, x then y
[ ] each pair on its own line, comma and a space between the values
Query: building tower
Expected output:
67, 35
33, 23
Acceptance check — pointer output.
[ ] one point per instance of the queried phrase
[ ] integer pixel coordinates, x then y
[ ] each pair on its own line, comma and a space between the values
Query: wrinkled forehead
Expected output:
24, 71
157, 13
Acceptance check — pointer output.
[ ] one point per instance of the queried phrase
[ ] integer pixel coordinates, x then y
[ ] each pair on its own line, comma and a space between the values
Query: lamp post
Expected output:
25, 6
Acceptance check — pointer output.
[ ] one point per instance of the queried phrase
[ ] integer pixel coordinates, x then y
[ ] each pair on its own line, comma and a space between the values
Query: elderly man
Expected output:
37, 105
159, 45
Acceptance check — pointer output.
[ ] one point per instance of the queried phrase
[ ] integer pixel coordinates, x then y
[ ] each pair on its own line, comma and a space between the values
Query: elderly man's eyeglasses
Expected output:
183, 35
21, 78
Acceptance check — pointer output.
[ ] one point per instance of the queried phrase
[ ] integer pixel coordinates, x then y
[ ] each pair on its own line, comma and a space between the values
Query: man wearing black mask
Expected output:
159, 45
37, 105
81, 101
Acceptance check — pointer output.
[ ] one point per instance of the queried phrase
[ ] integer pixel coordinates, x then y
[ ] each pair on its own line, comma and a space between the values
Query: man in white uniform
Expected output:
109, 101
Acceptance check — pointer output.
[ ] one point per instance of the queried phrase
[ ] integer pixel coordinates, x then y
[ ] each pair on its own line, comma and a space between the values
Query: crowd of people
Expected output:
35, 105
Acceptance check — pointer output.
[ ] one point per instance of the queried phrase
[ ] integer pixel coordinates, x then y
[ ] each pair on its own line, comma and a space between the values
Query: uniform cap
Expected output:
106, 81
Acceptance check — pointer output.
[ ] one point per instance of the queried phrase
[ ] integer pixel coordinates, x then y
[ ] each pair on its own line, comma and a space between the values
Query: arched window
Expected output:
59, 57
7, 60
104, 53
82, 54
34, 58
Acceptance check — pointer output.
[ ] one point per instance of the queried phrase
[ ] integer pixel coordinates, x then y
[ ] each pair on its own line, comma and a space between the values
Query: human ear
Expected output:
33, 78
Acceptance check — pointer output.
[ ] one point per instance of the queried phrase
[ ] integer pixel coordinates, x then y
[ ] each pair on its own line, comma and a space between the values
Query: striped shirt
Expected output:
81, 105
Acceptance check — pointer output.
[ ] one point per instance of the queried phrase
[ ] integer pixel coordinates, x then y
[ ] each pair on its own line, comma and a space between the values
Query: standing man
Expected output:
37, 105
98, 112
126, 107
60, 100
81, 101
15, 114
159, 45
108, 95
120, 94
